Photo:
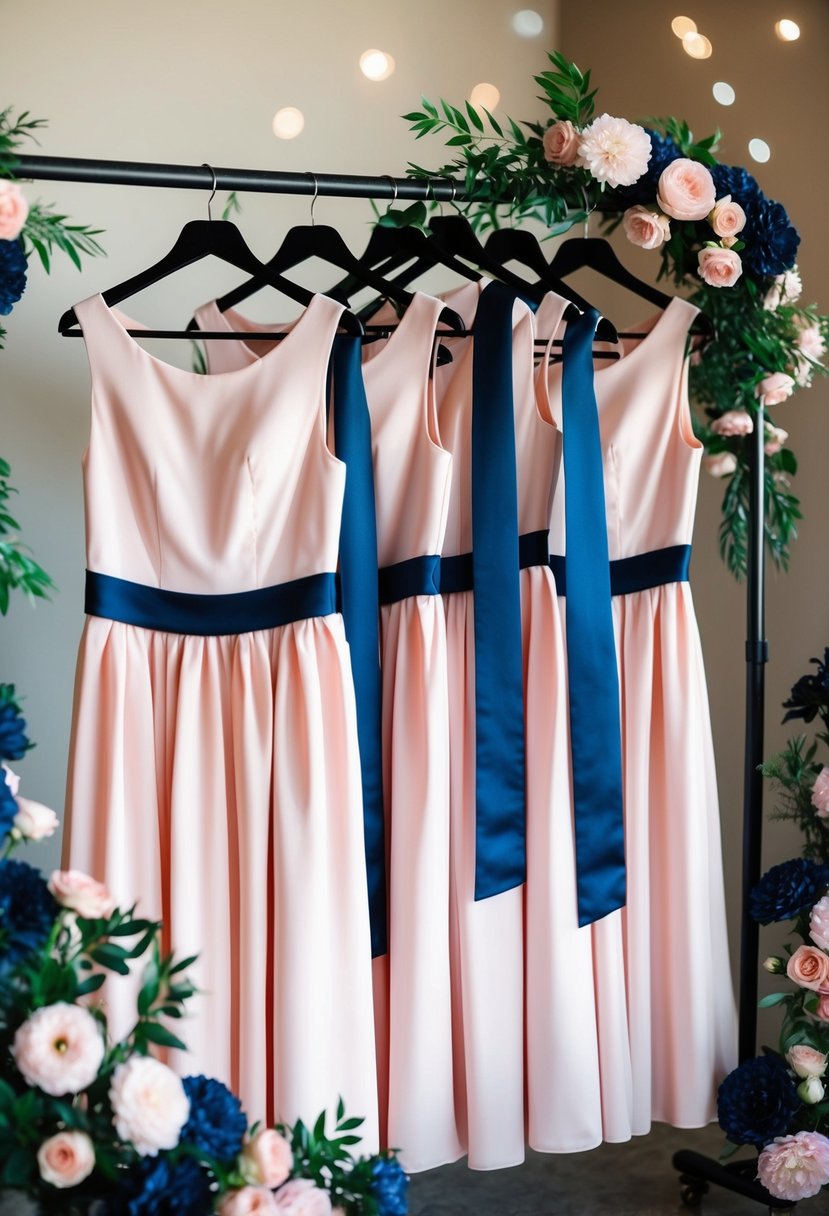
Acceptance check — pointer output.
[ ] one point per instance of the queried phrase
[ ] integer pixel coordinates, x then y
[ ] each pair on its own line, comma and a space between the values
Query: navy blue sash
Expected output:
638, 573
414, 576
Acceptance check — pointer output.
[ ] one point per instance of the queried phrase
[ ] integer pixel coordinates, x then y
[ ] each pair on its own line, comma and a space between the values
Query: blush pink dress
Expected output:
411, 983
216, 780
664, 1006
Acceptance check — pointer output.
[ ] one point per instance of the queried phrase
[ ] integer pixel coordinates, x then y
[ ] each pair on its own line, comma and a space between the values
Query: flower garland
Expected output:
778, 1103
718, 236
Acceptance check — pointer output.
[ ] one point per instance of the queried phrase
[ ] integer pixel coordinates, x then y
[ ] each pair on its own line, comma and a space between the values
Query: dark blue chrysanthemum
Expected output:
810, 695
27, 912
770, 237
159, 1188
12, 275
8, 806
757, 1102
389, 1187
663, 151
13, 741
738, 182
217, 1123
788, 889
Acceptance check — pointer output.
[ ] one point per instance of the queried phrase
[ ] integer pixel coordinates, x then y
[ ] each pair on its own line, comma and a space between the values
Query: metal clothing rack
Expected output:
697, 1172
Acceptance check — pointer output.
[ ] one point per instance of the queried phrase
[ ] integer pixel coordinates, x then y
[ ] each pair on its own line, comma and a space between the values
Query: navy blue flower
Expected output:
663, 151
13, 741
757, 1102
810, 695
738, 182
788, 889
217, 1123
12, 275
389, 1187
8, 806
27, 912
771, 238
157, 1187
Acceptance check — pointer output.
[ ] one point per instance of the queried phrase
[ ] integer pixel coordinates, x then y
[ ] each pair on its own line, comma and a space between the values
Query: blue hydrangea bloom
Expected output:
27, 912
13, 740
757, 1102
771, 239
8, 806
738, 182
389, 1187
217, 1123
787, 889
12, 275
159, 1188
810, 695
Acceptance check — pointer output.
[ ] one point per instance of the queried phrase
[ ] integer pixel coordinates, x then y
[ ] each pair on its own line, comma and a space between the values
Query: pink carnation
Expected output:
614, 150
795, 1167
266, 1159
733, 422
646, 228
66, 1159
81, 894
719, 267
248, 1201
59, 1049
13, 211
302, 1197
775, 439
686, 190
561, 143
774, 388
820, 793
149, 1105
721, 465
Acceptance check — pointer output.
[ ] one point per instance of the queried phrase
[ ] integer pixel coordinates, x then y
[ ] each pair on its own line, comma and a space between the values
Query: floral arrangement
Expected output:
85, 1119
718, 236
778, 1102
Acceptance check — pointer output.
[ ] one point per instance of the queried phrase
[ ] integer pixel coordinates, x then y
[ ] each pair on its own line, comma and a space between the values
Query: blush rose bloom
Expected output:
615, 151
719, 267
806, 1061
13, 211
266, 1159
774, 388
646, 228
34, 821
733, 422
820, 794
149, 1105
66, 1159
721, 465
795, 1167
727, 218
301, 1197
785, 289
775, 439
81, 894
248, 1201
809, 967
59, 1049
686, 190
561, 143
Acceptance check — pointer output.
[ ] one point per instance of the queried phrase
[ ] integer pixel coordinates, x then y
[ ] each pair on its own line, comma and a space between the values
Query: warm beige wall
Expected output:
190, 81
783, 97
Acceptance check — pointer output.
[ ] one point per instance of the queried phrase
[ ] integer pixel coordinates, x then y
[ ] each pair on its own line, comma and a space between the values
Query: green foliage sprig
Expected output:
18, 571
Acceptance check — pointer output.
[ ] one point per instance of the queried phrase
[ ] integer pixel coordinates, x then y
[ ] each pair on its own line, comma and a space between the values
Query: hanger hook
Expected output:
213, 191
586, 232
316, 195
393, 181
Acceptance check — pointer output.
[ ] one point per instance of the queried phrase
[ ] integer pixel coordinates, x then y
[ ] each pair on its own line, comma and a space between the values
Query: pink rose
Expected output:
806, 1061
614, 150
267, 1159
561, 143
721, 465
774, 388
727, 218
733, 422
795, 1167
822, 1010
810, 340
13, 211
66, 1159
775, 439
820, 793
646, 228
248, 1201
59, 1049
149, 1105
686, 190
809, 967
302, 1197
719, 267
12, 780
35, 821
81, 894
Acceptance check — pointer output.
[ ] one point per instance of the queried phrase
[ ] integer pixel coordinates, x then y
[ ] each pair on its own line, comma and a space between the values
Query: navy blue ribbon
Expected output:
638, 573
500, 820
595, 729
414, 576
359, 593
117, 599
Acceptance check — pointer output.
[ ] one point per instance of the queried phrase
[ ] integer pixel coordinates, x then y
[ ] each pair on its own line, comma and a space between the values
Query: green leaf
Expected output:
154, 1032
773, 998
474, 116
493, 122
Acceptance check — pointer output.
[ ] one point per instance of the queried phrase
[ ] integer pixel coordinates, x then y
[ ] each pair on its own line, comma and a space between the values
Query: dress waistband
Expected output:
209, 615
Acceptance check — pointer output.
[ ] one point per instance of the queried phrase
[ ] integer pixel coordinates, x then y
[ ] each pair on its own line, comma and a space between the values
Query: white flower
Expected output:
614, 150
59, 1049
34, 821
811, 1091
149, 1105
785, 289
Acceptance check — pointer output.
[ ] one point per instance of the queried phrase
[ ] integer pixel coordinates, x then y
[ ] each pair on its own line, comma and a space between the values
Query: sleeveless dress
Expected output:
411, 477
664, 1002
214, 770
